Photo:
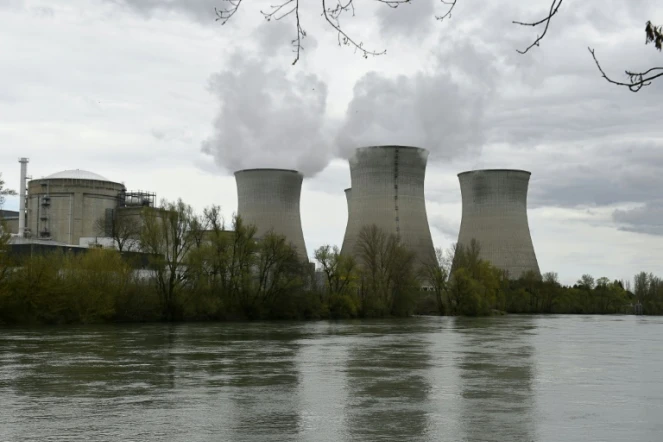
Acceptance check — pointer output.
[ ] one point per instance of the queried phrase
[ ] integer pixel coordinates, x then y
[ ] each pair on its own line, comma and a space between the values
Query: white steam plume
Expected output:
267, 119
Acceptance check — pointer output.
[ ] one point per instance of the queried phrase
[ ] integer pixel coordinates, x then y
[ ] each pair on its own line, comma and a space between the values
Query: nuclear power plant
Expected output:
269, 199
388, 191
78, 207
495, 215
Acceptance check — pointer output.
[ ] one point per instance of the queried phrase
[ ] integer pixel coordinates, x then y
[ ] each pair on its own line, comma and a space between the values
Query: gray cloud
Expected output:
645, 219
444, 226
410, 19
200, 10
268, 119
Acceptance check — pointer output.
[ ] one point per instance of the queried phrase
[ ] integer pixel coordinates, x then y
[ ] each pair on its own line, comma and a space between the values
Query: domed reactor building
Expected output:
269, 199
65, 206
495, 215
388, 191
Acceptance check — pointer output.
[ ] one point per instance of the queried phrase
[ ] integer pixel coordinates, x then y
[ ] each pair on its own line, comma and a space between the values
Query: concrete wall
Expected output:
269, 199
388, 191
75, 206
495, 214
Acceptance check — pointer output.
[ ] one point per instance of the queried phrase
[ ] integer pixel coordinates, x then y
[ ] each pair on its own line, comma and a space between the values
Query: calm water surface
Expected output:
513, 378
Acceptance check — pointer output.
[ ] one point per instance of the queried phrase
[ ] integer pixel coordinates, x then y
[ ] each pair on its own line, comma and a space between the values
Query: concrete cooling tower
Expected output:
348, 196
388, 191
269, 199
495, 214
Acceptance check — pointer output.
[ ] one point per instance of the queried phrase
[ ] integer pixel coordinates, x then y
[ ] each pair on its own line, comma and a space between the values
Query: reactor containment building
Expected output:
388, 190
495, 215
269, 199
65, 206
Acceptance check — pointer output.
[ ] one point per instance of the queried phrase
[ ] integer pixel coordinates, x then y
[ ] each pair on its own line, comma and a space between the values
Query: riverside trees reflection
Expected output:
200, 268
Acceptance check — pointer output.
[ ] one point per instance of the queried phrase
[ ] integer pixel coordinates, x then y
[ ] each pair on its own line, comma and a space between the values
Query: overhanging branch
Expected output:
637, 79
554, 7
225, 14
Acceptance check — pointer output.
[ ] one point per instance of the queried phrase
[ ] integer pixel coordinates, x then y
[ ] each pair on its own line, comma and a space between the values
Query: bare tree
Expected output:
386, 271
123, 230
637, 80
335, 10
436, 272
167, 236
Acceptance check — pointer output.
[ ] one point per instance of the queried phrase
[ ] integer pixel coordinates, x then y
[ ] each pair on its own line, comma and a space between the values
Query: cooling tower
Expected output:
495, 214
348, 196
388, 191
269, 199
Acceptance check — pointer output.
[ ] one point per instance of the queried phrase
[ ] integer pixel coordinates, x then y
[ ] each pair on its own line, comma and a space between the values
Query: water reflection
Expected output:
496, 372
387, 383
429, 379
257, 379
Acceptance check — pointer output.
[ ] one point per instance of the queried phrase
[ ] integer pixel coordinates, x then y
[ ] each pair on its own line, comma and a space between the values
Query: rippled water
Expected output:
513, 378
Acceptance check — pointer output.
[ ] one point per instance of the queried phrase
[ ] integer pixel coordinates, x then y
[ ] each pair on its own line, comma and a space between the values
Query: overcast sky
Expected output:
156, 94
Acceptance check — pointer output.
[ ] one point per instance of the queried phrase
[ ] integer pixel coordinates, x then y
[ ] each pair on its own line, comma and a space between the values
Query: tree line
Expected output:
196, 267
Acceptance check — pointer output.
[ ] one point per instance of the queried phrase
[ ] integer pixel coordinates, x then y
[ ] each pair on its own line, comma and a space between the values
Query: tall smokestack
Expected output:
388, 191
21, 192
495, 215
269, 199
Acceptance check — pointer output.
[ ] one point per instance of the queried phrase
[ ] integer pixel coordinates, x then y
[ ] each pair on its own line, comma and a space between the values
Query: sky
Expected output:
158, 95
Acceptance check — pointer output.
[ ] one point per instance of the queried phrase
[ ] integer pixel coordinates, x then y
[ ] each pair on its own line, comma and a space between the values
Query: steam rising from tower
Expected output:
495, 215
388, 191
269, 199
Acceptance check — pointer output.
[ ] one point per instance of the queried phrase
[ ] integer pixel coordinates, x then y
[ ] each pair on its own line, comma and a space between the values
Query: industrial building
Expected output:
495, 215
388, 190
269, 199
65, 206
74, 208
10, 220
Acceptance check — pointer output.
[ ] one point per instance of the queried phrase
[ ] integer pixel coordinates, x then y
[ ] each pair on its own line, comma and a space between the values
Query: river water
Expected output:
510, 378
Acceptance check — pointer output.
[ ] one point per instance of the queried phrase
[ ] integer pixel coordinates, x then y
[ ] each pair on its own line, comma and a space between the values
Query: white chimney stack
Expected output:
22, 189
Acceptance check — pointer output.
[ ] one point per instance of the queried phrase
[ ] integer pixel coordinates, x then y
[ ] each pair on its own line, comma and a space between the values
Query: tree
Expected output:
436, 272
279, 273
4, 192
333, 11
386, 269
338, 269
123, 230
168, 237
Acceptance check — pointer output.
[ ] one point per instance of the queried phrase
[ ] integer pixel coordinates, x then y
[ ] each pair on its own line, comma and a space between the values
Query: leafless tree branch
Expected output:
332, 15
394, 3
554, 7
451, 4
637, 79
223, 15
282, 10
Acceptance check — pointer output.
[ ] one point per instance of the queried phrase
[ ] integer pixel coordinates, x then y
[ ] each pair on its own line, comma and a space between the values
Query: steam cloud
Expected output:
442, 111
267, 119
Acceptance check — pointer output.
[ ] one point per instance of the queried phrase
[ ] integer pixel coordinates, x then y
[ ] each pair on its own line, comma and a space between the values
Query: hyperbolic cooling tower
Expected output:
388, 191
269, 199
495, 214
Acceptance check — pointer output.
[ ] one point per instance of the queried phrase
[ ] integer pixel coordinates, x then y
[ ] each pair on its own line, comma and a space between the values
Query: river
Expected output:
509, 378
